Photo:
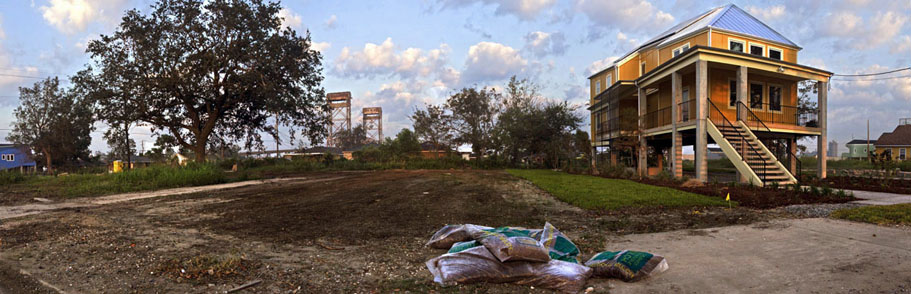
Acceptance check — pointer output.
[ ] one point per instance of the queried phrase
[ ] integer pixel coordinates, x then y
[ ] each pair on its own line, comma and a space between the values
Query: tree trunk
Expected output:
200, 150
47, 157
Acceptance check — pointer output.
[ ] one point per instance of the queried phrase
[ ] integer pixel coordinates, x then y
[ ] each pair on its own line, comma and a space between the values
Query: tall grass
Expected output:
140, 179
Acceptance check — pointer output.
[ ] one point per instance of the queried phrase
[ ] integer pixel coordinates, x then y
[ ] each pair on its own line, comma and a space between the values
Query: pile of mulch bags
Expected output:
542, 258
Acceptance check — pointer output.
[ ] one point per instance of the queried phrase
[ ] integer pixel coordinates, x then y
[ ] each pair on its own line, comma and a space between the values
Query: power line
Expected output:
873, 74
874, 79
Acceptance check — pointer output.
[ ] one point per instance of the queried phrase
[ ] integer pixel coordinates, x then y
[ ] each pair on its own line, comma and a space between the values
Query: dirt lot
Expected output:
363, 233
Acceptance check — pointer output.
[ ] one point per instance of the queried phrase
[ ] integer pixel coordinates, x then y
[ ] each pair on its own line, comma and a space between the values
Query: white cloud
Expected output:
901, 45
492, 61
599, 65
331, 22
73, 16
321, 46
630, 15
542, 44
290, 19
853, 31
383, 60
523, 9
768, 13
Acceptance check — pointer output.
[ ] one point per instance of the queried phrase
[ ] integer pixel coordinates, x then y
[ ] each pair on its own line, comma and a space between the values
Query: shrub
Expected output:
7, 178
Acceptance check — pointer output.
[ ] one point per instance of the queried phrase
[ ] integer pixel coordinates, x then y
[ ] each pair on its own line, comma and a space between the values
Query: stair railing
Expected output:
754, 122
746, 149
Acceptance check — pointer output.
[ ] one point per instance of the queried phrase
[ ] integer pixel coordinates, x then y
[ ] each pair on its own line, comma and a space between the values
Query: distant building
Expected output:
15, 156
833, 149
857, 149
896, 144
714, 153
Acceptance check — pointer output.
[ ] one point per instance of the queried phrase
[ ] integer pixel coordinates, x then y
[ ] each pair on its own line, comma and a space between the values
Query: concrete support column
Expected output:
702, 101
676, 154
613, 157
595, 160
821, 142
643, 148
792, 164
743, 92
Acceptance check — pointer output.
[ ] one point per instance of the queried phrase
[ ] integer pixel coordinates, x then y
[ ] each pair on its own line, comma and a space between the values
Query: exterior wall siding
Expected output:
666, 53
720, 40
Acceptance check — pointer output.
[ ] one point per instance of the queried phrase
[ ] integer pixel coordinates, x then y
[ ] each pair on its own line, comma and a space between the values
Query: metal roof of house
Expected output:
728, 18
860, 141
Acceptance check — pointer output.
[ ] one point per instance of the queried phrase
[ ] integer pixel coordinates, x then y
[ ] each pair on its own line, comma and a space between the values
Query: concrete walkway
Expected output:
880, 198
782, 256
7, 212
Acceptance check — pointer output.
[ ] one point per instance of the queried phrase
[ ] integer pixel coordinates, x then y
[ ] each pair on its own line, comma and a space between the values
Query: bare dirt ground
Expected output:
361, 233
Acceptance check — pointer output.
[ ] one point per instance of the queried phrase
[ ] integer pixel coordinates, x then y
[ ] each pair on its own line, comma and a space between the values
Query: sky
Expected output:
400, 55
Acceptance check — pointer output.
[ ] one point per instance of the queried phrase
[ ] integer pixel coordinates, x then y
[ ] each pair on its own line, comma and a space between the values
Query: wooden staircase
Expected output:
756, 155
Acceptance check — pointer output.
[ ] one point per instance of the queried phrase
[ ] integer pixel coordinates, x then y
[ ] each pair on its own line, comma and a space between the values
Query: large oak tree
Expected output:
55, 123
203, 70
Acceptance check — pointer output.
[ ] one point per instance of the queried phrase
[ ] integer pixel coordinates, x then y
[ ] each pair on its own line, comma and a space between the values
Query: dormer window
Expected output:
736, 45
757, 49
681, 49
609, 80
597, 87
775, 53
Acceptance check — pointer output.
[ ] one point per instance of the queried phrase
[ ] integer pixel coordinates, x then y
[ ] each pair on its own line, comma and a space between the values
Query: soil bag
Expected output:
558, 245
508, 244
629, 266
450, 234
477, 264
462, 246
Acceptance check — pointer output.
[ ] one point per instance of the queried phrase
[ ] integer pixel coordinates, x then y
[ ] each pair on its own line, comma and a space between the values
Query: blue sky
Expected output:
402, 54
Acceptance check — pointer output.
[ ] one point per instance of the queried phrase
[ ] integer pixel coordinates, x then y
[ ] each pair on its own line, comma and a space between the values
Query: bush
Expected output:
8, 178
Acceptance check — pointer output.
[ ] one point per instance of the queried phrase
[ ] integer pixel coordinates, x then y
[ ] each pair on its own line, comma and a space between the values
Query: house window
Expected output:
735, 45
642, 68
8, 157
597, 87
901, 153
732, 93
774, 53
757, 49
755, 95
681, 49
775, 98
610, 80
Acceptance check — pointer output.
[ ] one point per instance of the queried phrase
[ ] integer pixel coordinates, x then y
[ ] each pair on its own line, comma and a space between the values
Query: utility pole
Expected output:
868, 140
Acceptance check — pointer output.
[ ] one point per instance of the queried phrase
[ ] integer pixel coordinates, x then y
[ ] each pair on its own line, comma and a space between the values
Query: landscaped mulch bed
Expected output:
755, 197
867, 184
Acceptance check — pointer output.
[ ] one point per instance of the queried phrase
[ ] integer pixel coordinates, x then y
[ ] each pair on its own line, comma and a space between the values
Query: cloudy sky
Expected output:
403, 54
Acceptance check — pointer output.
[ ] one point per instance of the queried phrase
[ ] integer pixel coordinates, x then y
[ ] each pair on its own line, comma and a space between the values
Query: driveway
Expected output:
782, 256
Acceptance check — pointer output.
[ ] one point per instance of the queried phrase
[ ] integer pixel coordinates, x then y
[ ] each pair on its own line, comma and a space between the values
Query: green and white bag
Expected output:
559, 247
629, 266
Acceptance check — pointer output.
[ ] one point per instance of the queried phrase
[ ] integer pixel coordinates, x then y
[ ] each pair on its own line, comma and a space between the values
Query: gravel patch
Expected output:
818, 210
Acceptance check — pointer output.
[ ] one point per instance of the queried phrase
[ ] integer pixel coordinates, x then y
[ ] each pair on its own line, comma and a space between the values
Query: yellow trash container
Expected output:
118, 166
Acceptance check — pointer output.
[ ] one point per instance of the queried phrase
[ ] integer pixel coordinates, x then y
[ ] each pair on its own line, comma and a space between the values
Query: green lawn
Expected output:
592, 192
882, 215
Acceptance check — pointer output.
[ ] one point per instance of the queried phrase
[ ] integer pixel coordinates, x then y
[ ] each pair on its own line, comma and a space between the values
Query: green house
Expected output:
858, 148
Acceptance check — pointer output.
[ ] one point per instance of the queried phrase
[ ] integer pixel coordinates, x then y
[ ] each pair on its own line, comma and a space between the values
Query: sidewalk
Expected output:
880, 198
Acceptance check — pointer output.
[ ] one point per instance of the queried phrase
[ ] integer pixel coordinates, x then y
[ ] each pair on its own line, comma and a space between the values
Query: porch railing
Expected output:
687, 110
783, 114
657, 118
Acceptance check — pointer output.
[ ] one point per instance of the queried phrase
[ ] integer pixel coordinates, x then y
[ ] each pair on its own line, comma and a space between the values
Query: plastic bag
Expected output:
450, 234
558, 245
477, 264
629, 266
508, 245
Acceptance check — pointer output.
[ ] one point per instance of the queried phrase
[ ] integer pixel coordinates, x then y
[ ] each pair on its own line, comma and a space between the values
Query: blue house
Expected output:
13, 156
